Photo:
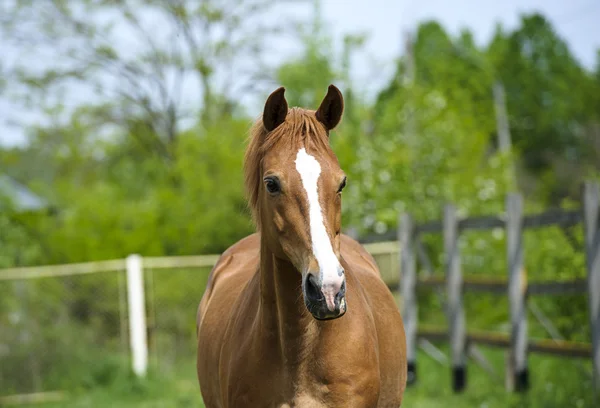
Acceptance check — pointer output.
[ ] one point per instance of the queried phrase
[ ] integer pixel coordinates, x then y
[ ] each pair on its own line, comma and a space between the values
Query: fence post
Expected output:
591, 219
137, 315
408, 281
456, 314
517, 373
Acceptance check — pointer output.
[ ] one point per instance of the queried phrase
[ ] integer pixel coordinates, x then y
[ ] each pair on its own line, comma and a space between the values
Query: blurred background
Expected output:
122, 131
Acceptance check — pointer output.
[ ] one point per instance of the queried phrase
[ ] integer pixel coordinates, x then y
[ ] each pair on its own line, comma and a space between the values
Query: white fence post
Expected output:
137, 315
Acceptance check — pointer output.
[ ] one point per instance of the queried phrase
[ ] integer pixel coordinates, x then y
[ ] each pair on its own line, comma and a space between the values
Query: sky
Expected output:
576, 21
384, 21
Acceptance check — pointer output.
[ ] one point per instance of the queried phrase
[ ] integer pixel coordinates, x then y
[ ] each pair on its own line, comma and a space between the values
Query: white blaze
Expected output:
329, 266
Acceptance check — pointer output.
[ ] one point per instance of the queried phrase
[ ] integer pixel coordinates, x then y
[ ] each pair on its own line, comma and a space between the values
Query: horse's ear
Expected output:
276, 109
331, 109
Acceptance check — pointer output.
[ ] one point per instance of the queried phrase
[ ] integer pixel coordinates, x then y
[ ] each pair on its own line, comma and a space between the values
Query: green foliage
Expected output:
430, 142
124, 200
303, 87
159, 389
553, 385
552, 103
147, 77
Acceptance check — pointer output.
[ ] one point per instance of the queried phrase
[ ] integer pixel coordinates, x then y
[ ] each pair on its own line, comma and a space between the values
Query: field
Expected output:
555, 382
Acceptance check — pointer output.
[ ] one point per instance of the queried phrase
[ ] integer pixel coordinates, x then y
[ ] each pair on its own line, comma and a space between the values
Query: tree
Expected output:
445, 154
550, 104
144, 63
307, 76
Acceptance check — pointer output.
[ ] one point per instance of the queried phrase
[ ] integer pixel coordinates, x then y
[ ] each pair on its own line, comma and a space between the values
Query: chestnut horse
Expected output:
297, 314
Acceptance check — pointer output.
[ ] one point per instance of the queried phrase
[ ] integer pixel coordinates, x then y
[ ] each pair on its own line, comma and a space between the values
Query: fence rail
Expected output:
545, 219
48, 271
163, 262
499, 285
502, 340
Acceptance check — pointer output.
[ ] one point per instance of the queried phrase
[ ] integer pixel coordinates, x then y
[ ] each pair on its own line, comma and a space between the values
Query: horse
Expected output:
296, 314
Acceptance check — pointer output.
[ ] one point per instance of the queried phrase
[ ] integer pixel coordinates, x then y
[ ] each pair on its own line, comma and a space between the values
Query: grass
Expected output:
556, 382
161, 389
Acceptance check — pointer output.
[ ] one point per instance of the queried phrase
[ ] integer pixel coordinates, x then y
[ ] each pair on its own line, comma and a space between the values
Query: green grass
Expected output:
556, 382
161, 389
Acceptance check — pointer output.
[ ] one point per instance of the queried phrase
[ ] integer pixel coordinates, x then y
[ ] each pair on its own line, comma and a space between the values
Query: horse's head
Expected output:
295, 184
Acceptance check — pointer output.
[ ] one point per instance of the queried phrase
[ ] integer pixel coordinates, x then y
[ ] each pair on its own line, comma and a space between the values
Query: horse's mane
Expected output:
300, 126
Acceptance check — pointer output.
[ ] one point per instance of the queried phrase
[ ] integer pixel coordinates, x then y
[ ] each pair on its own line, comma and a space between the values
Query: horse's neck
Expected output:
282, 311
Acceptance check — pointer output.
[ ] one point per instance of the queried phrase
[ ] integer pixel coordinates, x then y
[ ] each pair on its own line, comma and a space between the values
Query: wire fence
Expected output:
172, 298
67, 326
53, 329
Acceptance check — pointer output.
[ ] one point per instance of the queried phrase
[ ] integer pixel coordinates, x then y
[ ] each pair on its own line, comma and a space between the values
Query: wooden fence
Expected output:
516, 287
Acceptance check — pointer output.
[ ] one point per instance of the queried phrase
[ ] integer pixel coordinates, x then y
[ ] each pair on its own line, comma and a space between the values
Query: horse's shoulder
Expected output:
236, 262
243, 251
249, 244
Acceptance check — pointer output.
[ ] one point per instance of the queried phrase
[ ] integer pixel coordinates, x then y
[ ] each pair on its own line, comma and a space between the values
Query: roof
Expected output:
21, 198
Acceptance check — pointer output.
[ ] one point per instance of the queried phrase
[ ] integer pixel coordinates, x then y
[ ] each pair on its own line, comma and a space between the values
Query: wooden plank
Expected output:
432, 351
481, 223
472, 284
493, 285
502, 340
543, 346
577, 286
561, 348
34, 272
456, 314
591, 209
544, 321
423, 257
433, 333
409, 297
484, 222
517, 371
552, 217
475, 354
430, 226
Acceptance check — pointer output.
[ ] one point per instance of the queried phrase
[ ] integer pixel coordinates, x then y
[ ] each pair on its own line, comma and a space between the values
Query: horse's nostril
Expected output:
313, 293
342, 291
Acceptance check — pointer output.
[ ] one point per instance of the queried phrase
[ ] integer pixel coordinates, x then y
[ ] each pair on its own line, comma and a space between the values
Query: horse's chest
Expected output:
274, 385
324, 373
263, 397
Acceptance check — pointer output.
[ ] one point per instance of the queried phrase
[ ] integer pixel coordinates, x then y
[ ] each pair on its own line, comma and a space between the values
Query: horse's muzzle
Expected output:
324, 301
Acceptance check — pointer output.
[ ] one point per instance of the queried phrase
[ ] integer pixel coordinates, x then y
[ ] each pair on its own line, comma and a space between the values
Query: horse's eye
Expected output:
342, 186
272, 185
